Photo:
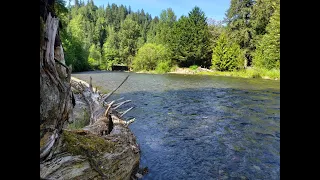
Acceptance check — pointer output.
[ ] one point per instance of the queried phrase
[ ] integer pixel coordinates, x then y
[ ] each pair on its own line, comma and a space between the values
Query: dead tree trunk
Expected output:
55, 89
106, 148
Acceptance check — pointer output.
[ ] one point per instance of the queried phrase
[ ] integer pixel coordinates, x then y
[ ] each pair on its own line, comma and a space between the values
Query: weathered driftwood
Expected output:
126, 111
109, 94
98, 150
120, 104
55, 89
105, 149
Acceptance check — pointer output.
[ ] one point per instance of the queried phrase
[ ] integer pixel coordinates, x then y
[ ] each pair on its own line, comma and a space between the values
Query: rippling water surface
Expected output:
201, 127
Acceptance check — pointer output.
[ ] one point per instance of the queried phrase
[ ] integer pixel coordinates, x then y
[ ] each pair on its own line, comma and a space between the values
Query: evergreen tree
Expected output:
267, 54
152, 32
227, 55
240, 26
164, 30
111, 49
191, 41
261, 13
128, 36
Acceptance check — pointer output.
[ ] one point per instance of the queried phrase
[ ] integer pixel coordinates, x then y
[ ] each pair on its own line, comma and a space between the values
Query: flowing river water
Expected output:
201, 127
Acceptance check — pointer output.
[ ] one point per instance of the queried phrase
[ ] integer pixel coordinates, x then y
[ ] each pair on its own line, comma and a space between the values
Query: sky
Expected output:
215, 9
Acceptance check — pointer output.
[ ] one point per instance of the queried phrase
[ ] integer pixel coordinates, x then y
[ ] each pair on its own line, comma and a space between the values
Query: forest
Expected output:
95, 38
228, 128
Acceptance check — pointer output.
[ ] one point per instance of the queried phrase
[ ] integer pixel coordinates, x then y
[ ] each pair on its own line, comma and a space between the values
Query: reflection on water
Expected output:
202, 127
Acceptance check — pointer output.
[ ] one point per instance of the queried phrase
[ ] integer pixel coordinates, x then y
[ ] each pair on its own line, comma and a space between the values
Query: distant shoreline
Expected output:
248, 73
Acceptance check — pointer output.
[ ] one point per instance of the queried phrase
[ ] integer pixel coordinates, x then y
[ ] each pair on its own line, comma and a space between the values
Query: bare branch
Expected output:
114, 100
109, 94
119, 99
120, 104
126, 111
130, 121
109, 106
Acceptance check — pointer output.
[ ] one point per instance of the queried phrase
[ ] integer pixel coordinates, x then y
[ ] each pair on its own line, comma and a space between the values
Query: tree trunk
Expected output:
105, 149
55, 88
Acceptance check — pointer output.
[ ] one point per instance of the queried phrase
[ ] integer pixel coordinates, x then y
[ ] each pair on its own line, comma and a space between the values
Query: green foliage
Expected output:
94, 58
247, 73
128, 35
260, 73
163, 67
261, 13
191, 43
98, 38
140, 42
267, 54
215, 29
100, 33
74, 53
152, 32
164, 32
151, 56
61, 11
240, 25
227, 55
111, 50
193, 67
76, 27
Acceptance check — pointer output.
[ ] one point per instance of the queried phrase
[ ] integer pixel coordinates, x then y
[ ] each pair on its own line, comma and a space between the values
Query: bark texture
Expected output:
105, 148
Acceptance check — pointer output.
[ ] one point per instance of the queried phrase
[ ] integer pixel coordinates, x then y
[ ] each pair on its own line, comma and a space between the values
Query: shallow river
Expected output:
201, 127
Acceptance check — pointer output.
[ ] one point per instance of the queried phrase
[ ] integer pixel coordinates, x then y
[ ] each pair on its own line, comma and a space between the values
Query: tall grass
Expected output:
247, 73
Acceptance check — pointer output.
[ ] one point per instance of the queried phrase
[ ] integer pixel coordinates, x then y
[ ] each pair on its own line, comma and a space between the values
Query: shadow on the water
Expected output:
216, 132
206, 133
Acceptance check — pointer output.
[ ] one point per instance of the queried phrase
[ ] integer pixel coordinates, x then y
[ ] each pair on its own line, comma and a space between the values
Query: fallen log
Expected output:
98, 150
106, 148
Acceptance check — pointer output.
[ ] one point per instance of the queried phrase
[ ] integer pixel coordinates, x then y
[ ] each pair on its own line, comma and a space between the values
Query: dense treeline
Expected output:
98, 37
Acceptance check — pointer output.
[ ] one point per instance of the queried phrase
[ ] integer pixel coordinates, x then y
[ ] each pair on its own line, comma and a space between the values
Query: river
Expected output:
201, 127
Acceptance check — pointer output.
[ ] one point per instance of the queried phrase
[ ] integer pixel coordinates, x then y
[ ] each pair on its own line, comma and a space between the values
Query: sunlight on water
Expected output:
201, 127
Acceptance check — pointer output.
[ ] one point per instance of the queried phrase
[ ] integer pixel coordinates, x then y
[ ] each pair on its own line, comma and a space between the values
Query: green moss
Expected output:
80, 165
77, 144
44, 139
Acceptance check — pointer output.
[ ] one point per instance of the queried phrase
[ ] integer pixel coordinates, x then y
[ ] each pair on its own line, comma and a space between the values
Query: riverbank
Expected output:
247, 73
